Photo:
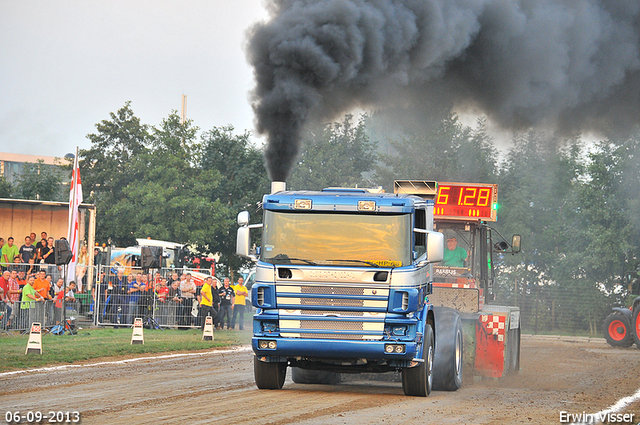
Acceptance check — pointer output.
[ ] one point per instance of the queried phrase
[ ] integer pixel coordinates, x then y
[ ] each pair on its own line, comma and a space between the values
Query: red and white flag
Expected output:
75, 199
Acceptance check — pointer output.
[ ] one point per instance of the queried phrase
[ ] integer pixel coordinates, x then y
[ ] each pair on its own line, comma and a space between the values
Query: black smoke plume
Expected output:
565, 64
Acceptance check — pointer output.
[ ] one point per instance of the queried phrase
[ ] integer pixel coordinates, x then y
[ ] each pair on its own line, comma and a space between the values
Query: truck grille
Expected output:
332, 290
331, 336
331, 302
333, 325
332, 311
327, 312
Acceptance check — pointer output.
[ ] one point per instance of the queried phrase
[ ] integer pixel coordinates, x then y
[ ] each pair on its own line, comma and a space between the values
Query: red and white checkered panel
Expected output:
453, 285
495, 324
35, 328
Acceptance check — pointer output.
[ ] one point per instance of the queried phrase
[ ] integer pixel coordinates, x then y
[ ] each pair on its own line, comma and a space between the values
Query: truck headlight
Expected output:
394, 348
264, 344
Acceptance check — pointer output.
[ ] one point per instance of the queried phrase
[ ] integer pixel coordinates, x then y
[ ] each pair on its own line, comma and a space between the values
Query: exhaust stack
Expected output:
278, 187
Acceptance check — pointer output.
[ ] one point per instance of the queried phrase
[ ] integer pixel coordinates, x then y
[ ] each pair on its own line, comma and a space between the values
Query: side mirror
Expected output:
515, 243
243, 218
243, 242
435, 247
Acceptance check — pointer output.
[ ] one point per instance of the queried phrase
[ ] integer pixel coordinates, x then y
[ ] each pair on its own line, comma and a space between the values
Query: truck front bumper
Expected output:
332, 349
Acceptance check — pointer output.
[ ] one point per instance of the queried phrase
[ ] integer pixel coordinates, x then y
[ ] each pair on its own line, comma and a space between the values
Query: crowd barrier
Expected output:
108, 299
125, 293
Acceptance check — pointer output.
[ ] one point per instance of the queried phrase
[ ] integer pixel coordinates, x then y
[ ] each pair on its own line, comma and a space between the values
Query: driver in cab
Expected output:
454, 255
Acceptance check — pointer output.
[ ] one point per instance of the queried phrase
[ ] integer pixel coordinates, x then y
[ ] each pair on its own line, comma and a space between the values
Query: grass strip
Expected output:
97, 343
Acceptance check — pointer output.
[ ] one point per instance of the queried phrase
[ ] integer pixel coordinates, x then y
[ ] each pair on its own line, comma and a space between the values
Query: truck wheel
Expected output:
304, 376
635, 328
617, 330
447, 360
269, 375
417, 380
515, 364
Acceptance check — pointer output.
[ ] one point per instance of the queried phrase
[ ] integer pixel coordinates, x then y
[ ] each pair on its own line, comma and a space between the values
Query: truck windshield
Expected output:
336, 239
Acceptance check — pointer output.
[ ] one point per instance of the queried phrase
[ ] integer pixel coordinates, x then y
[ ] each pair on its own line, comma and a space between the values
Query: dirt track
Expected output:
556, 376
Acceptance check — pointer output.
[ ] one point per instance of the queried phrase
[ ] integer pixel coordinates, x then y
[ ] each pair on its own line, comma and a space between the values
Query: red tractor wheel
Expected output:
617, 330
635, 323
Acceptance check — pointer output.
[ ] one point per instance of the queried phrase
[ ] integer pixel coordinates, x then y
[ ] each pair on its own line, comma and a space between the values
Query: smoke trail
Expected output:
564, 64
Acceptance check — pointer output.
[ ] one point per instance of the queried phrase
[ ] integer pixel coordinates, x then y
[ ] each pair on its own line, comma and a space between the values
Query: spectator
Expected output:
8, 252
42, 285
215, 288
33, 239
241, 293
4, 297
227, 297
161, 293
117, 290
175, 302
40, 250
81, 267
17, 264
188, 293
29, 306
14, 296
133, 295
43, 241
99, 290
207, 300
1, 245
27, 251
22, 279
70, 297
50, 258
31, 268
58, 295
145, 303
58, 287
173, 278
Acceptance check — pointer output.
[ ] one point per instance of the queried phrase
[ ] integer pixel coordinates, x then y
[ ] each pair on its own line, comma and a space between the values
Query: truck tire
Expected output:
304, 376
618, 331
635, 325
418, 380
514, 359
269, 375
447, 359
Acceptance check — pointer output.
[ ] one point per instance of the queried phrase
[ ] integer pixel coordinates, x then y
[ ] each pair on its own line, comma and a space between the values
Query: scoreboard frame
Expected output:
466, 201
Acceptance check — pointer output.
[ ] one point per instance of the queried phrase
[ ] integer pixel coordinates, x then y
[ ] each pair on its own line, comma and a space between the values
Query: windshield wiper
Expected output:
286, 259
371, 263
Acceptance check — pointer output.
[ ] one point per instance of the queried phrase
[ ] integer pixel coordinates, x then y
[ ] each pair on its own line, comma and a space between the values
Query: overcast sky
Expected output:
66, 64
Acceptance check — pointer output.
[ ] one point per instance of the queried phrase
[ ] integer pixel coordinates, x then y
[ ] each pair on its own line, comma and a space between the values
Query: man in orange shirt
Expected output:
42, 285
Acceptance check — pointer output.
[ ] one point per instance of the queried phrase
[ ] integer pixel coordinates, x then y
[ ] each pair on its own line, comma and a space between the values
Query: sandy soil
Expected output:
556, 375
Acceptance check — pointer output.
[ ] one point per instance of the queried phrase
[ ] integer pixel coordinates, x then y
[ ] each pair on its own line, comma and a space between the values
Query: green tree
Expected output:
242, 183
6, 188
446, 150
334, 154
40, 181
109, 166
538, 184
171, 200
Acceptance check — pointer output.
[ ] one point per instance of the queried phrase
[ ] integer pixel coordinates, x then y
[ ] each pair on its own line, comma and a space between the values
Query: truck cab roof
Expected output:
343, 200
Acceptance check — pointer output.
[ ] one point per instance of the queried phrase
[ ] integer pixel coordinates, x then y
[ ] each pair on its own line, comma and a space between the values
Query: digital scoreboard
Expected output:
466, 200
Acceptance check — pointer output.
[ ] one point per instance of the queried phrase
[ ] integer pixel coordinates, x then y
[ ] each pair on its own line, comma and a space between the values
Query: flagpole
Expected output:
72, 204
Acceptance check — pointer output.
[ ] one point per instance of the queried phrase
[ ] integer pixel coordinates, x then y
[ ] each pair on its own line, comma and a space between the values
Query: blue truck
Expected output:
353, 280
342, 284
